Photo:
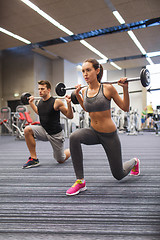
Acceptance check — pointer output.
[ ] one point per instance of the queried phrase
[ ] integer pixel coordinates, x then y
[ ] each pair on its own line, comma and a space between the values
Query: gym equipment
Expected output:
133, 122
144, 78
25, 98
74, 98
19, 122
5, 121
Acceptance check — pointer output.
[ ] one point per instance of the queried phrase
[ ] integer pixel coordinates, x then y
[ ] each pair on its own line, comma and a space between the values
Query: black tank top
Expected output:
49, 118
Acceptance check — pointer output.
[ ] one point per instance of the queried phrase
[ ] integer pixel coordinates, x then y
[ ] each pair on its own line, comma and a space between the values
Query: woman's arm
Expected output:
79, 98
124, 102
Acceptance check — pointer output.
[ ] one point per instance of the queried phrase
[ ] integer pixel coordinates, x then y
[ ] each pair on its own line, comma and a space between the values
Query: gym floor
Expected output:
33, 203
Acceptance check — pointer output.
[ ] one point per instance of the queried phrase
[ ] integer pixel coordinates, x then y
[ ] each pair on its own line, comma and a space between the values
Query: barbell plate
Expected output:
60, 89
24, 98
74, 98
145, 77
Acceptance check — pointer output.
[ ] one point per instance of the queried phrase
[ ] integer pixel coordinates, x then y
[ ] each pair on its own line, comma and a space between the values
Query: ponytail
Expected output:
100, 74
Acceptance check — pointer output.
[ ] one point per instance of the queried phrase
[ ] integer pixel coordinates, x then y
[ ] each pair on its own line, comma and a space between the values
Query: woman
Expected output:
96, 99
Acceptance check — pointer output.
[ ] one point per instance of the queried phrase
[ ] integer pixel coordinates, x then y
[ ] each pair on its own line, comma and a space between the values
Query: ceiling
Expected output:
81, 16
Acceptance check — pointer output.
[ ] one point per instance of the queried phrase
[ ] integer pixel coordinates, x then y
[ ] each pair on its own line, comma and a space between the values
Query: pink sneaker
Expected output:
136, 169
77, 187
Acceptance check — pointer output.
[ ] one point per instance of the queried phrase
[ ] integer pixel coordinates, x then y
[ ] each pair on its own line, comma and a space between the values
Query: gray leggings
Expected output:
111, 145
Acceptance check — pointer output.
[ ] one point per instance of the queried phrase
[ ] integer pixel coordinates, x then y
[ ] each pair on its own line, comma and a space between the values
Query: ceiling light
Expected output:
132, 35
153, 54
102, 61
47, 17
93, 49
64, 29
16, 94
115, 65
118, 16
149, 60
104, 58
15, 36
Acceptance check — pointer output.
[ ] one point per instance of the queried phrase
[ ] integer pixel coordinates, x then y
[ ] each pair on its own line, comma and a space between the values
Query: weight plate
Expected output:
24, 98
74, 98
60, 89
145, 77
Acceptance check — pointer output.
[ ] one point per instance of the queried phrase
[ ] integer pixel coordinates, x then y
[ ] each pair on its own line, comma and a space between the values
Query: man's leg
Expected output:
57, 142
67, 153
32, 132
30, 141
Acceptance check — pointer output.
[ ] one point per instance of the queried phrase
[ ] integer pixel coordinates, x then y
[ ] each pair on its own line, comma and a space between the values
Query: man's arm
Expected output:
67, 111
33, 106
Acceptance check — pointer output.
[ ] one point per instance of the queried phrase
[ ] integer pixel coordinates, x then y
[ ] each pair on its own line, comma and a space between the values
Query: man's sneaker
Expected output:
136, 169
77, 187
31, 163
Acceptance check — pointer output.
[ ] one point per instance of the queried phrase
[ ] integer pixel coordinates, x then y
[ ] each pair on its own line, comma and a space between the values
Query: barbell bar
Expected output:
25, 98
144, 77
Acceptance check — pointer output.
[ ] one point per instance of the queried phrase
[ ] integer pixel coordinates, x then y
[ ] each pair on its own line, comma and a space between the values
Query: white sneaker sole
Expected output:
139, 171
31, 166
80, 190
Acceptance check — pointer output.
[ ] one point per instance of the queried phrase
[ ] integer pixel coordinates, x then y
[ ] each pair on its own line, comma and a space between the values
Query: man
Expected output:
48, 109
150, 115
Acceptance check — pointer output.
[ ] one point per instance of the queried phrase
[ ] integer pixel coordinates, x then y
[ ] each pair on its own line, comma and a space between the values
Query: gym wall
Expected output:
21, 69
0, 79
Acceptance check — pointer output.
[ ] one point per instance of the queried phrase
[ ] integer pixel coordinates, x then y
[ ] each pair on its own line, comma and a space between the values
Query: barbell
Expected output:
25, 98
144, 77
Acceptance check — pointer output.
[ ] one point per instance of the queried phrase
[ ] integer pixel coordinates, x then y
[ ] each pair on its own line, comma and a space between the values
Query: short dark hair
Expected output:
44, 82
96, 65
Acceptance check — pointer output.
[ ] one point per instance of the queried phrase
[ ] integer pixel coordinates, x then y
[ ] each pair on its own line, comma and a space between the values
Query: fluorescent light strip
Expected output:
153, 54
93, 49
149, 60
118, 16
115, 65
132, 36
47, 17
104, 58
102, 61
15, 36
61, 27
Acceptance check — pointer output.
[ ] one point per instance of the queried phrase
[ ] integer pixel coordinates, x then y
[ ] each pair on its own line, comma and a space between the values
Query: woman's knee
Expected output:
74, 137
118, 175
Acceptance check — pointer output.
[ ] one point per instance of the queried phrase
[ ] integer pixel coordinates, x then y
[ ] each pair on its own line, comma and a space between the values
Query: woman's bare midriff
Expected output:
102, 121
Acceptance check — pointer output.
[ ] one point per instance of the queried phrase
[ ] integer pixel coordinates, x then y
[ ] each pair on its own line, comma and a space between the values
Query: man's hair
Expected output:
44, 82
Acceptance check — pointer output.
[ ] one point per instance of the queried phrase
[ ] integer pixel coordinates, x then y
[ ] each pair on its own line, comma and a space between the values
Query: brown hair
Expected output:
96, 65
44, 82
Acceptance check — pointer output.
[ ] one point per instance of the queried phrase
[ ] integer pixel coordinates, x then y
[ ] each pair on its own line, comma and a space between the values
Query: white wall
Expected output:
0, 79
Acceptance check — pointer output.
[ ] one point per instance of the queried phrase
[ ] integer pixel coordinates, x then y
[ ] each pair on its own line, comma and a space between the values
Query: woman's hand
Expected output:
123, 82
78, 88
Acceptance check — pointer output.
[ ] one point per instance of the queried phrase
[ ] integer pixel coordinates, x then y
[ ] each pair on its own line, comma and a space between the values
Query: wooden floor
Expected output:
33, 204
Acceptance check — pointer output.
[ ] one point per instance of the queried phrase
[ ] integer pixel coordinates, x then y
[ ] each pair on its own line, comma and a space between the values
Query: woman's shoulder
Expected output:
109, 90
108, 87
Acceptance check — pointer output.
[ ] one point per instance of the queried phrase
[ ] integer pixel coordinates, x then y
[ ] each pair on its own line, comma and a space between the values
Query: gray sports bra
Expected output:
97, 103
